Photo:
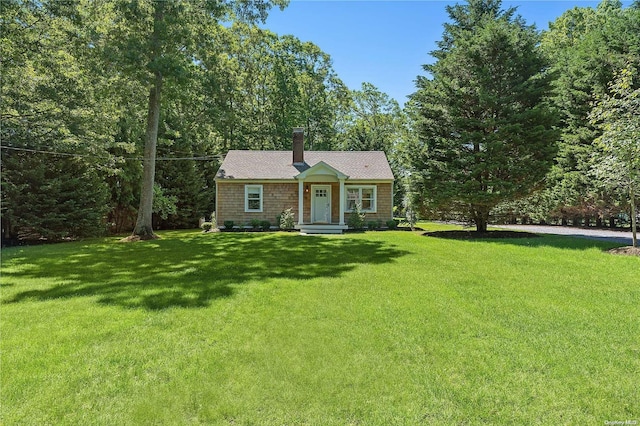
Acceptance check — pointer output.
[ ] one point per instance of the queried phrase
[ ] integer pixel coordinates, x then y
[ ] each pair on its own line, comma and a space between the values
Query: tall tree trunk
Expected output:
144, 225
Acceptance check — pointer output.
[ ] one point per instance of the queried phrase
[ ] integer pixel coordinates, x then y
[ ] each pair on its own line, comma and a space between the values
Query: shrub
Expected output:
412, 217
392, 224
265, 225
206, 226
287, 219
356, 217
255, 223
214, 223
228, 224
372, 225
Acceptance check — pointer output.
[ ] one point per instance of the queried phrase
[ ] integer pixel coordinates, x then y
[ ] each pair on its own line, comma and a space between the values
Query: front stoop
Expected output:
321, 229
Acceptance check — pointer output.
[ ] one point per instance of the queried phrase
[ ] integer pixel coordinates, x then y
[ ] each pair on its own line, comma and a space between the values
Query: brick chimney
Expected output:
298, 145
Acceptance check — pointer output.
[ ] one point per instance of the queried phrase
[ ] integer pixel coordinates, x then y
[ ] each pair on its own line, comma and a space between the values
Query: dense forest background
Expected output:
75, 98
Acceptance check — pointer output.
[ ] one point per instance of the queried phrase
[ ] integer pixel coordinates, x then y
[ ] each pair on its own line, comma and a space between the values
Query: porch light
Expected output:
306, 188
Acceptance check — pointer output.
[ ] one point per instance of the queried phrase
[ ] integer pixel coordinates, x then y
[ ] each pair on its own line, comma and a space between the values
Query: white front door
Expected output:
321, 203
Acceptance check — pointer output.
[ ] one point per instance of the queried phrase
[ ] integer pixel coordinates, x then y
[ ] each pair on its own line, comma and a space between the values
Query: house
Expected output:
321, 187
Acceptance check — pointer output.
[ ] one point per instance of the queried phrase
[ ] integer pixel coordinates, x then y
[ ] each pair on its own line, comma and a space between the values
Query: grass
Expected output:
275, 328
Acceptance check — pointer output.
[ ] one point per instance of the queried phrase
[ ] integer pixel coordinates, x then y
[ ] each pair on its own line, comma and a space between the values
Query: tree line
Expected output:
82, 83
116, 114
518, 124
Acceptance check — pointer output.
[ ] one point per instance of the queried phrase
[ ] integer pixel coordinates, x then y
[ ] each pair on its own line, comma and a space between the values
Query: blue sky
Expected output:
387, 42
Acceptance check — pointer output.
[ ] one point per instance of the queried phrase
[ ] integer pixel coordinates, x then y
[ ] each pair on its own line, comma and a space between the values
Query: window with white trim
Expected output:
253, 198
365, 195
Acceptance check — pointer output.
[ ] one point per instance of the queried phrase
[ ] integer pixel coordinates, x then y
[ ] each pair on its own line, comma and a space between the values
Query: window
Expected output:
321, 193
365, 195
253, 198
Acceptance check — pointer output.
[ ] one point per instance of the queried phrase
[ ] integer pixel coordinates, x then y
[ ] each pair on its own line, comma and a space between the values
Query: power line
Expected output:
68, 154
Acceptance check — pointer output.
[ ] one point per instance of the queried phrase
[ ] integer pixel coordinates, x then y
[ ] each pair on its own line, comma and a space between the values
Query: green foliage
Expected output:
374, 123
206, 226
51, 102
228, 224
356, 219
76, 78
391, 224
260, 85
585, 47
255, 223
372, 224
487, 133
265, 225
51, 198
164, 205
618, 116
287, 219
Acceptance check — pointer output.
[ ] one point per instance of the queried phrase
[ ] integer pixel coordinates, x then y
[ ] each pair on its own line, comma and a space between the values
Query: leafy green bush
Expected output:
287, 219
356, 217
255, 223
265, 225
163, 204
206, 226
228, 224
372, 224
392, 224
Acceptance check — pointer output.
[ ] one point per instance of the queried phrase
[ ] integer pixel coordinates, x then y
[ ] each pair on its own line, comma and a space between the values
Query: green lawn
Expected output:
372, 328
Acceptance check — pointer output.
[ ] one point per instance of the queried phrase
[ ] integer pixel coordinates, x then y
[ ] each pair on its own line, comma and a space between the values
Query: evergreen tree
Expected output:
56, 126
487, 132
585, 46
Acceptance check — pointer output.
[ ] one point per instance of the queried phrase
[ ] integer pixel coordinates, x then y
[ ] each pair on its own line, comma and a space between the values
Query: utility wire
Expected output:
68, 154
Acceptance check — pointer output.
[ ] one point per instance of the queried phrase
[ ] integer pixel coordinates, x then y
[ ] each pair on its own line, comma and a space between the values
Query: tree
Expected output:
51, 198
584, 46
618, 116
157, 42
487, 133
261, 85
56, 126
375, 122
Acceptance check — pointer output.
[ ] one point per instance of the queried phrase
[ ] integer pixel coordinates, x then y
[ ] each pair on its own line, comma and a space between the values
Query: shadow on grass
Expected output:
188, 270
528, 239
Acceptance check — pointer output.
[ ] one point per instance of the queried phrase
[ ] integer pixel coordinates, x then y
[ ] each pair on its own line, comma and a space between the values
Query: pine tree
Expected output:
487, 131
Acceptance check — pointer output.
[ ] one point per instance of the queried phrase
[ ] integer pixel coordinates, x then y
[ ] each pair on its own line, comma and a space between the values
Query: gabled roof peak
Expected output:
318, 168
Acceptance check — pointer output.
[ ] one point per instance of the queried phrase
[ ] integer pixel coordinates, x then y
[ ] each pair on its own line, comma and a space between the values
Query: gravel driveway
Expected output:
618, 237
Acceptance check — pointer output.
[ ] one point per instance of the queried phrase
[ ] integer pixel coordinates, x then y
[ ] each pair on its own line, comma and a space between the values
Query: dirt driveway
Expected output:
618, 237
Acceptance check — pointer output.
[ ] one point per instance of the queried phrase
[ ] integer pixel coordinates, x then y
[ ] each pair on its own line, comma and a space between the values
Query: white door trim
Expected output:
313, 204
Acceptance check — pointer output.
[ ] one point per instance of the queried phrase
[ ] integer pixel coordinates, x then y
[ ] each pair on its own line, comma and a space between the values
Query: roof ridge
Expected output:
283, 150
272, 164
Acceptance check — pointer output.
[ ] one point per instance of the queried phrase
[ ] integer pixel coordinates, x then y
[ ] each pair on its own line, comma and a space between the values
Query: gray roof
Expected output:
358, 165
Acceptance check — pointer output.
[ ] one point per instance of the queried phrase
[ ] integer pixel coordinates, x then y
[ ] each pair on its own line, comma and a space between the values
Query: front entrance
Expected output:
321, 203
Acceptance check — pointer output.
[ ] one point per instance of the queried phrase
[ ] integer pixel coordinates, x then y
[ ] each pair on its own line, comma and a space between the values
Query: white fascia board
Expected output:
322, 166
256, 181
